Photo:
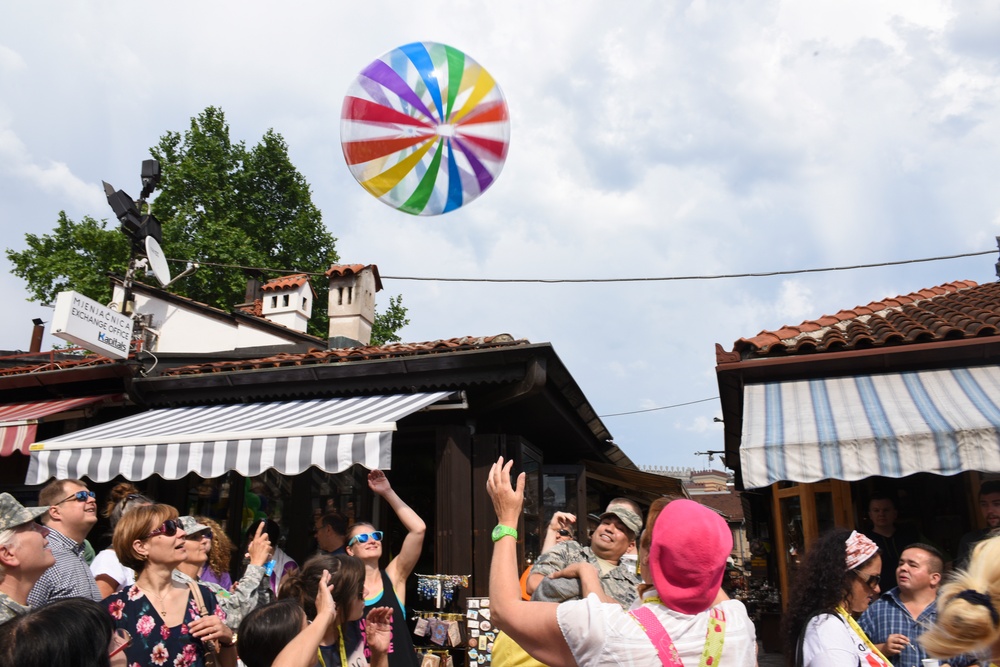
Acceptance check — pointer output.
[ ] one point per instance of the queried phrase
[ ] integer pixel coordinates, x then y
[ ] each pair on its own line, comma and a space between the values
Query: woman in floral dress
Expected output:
160, 613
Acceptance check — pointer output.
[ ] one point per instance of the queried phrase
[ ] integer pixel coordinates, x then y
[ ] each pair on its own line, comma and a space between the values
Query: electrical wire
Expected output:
549, 281
664, 407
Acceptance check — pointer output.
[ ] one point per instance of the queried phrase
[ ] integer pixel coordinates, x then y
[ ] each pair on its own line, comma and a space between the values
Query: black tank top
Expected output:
401, 651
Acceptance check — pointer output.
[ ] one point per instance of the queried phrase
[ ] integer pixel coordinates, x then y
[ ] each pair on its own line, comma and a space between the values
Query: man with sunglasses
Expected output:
24, 555
72, 512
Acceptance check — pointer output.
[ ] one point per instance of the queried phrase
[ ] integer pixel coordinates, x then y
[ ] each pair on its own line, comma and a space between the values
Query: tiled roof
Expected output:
952, 311
728, 504
256, 308
346, 354
286, 282
341, 270
58, 365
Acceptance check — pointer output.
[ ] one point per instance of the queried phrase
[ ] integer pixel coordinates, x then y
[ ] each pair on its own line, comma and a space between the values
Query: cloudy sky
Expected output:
670, 139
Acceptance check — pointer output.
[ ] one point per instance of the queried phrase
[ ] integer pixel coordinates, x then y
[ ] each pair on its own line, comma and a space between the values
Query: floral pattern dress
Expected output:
153, 642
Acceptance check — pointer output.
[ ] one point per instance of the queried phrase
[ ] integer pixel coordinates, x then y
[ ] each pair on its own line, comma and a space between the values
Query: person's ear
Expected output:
141, 548
935, 579
7, 557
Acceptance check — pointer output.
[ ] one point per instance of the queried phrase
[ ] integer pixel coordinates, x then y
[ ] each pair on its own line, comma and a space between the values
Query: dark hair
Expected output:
989, 486
266, 630
347, 574
336, 521
821, 583
272, 529
123, 497
72, 632
882, 495
936, 563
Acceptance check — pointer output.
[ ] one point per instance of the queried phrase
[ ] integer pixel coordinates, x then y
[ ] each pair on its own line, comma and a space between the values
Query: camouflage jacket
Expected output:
619, 583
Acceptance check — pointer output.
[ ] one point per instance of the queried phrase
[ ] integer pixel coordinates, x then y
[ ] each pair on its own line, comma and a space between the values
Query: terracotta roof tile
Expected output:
961, 309
286, 282
348, 269
58, 365
317, 356
256, 309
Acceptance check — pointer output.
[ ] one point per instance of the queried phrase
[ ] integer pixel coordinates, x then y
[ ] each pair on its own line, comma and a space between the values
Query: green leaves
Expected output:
219, 203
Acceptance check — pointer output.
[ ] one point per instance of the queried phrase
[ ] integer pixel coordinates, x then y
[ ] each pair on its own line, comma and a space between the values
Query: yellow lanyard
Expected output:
861, 633
343, 654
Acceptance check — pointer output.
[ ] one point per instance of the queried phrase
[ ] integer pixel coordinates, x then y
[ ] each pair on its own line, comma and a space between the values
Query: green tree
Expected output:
220, 204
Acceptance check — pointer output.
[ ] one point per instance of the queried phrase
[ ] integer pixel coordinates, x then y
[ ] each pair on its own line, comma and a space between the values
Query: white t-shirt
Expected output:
605, 634
830, 642
107, 563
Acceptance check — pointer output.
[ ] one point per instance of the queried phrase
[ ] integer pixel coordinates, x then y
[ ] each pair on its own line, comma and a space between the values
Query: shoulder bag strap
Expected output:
199, 601
658, 635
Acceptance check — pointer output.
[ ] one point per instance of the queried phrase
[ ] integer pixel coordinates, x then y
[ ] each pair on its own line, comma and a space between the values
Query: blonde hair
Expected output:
965, 625
646, 538
222, 547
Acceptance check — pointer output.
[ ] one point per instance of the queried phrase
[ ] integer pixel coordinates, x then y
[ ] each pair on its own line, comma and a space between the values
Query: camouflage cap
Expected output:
190, 526
14, 514
626, 516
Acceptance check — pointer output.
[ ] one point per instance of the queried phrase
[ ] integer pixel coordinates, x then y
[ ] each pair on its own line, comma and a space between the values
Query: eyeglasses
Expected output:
80, 496
120, 641
203, 535
169, 528
871, 581
129, 498
364, 537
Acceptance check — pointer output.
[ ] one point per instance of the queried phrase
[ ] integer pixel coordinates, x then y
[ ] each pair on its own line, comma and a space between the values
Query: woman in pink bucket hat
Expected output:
683, 620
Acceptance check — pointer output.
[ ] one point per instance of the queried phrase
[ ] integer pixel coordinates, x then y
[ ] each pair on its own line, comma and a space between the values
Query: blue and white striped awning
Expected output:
891, 425
289, 436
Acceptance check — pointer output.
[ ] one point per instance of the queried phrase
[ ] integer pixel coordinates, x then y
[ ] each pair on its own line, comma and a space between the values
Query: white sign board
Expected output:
92, 325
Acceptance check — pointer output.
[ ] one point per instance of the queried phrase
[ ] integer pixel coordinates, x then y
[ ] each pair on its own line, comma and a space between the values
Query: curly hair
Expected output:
220, 556
965, 624
821, 583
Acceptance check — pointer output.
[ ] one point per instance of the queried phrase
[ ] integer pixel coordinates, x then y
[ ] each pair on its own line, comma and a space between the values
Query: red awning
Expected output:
19, 421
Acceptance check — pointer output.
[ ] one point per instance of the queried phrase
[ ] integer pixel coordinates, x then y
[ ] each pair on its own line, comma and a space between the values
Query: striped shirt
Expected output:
70, 577
889, 616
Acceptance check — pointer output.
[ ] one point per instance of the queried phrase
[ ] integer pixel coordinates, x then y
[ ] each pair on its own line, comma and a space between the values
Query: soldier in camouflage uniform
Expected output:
24, 554
600, 562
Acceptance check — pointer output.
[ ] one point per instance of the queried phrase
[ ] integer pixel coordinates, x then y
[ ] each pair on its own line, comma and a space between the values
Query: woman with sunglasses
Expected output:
110, 574
837, 581
243, 598
161, 614
387, 588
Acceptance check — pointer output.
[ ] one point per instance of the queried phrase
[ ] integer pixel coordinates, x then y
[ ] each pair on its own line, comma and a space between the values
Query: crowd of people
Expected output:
161, 594
632, 592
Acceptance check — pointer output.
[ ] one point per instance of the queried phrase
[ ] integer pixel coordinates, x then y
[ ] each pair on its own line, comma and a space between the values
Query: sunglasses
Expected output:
871, 580
203, 535
80, 496
364, 537
120, 641
169, 528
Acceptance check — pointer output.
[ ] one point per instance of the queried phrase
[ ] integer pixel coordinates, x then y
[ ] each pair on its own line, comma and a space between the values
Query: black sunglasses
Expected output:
80, 496
169, 528
872, 580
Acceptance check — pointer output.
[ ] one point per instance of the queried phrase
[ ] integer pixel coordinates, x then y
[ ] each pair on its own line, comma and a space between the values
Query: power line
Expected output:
664, 407
763, 274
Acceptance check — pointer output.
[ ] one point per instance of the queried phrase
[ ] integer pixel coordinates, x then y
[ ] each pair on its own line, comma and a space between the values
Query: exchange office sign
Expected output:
92, 325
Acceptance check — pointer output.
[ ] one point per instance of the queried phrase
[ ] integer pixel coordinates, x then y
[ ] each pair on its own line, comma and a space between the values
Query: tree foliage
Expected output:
220, 203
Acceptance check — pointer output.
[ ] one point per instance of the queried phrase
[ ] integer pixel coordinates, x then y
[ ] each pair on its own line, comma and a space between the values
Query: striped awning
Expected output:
891, 425
289, 436
19, 421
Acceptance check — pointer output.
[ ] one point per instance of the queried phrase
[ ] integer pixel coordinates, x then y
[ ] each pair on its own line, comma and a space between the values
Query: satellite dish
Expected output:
157, 261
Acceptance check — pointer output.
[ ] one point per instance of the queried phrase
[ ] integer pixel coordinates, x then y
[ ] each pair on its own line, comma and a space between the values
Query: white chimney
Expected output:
352, 303
288, 301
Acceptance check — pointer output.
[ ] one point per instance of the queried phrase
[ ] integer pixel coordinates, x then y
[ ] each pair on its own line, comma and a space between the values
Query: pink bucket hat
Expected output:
688, 555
